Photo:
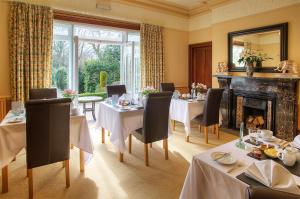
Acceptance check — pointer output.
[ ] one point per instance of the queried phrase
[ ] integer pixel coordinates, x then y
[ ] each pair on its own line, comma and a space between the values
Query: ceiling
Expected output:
186, 4
185, 8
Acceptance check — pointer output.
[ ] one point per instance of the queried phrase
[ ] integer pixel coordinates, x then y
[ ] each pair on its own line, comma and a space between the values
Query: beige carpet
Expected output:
106, 177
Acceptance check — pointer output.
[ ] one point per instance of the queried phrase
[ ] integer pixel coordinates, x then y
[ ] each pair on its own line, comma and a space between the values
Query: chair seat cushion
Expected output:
139, 135
198, 119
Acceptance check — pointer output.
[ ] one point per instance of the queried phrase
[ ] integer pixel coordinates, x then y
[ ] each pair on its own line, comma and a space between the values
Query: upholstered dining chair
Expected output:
115, 90
47, 135
155, 122
42, 93
167, 87
210, 115
260, 192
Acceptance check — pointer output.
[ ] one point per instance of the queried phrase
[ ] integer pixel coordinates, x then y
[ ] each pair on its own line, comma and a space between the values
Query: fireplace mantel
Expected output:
265, 76
282, 87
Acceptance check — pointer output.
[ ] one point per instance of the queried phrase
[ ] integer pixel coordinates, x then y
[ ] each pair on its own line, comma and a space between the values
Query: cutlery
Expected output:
238, 164
223, 156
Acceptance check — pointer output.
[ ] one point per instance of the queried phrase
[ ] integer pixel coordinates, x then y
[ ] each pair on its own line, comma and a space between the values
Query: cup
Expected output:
266, 134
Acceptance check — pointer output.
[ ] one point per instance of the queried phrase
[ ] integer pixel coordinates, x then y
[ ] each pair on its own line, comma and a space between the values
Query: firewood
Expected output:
250, 119
260, 120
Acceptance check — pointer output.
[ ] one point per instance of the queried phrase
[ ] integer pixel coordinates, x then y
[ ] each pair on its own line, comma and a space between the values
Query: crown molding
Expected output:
174, 9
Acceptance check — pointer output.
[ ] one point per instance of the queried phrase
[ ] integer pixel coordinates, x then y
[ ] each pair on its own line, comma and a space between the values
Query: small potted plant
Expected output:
198, 88
69, 93
252, 58
145, 92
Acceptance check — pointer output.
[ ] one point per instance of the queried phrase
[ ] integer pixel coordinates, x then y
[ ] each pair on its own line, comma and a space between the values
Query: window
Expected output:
81, 52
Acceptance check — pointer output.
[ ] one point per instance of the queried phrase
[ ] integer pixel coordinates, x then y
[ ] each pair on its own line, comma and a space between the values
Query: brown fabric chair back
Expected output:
156, 117
266, 193
212, 107
47, 131
115, 90
42, 93
167, 87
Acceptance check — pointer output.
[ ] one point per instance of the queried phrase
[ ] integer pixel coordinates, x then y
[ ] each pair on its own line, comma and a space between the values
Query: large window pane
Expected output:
94, 57
61, 64
81, 52
97, 33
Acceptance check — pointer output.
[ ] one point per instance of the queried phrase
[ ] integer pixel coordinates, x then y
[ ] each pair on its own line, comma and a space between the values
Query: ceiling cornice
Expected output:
174, 9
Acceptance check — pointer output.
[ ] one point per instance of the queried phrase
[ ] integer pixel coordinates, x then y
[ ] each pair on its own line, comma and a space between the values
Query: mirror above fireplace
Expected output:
269, 43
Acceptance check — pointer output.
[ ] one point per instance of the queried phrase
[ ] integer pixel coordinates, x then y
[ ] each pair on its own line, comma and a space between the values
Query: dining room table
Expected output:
206, 178
13, 140
120, 121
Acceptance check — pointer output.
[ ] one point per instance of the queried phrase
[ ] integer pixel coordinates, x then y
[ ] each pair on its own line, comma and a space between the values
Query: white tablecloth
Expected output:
13, 137
207, 179
119, 123
184, 111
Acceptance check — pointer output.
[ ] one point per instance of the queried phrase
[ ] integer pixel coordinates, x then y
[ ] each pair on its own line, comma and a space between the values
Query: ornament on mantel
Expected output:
287, 66
222, 67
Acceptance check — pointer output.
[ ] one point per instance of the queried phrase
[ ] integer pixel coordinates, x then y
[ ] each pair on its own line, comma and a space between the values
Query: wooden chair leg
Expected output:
5, 179
103, 135
174, 124
146, 155
30, 183
206, 134
129, 143
187, 138
121, 157
166, 148
81, 160
217, 130
67, 170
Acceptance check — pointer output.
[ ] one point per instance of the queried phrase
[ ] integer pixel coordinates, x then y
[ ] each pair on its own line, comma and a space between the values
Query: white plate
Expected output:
227, 160
271, 139
15, 120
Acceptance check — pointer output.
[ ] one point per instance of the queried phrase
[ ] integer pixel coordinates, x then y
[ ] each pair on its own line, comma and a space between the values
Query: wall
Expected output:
218, 32
176, 56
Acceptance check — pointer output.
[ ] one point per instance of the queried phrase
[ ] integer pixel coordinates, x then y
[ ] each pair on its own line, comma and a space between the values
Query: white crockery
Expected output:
266, 134
288, 156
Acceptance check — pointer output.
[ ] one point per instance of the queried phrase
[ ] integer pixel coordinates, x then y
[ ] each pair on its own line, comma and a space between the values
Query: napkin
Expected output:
273, 175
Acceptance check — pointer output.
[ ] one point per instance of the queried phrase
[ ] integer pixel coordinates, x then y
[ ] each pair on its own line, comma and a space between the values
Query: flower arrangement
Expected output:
69, 93
147, 90
199, 88
253, 57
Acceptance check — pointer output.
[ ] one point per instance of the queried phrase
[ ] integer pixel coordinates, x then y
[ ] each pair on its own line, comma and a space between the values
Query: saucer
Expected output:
270, 139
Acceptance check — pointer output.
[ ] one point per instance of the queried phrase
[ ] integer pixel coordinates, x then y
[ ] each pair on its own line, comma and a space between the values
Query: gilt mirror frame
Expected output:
283, 28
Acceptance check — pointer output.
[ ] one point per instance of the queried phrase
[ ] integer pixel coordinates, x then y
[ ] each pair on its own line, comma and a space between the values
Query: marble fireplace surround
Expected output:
281, 89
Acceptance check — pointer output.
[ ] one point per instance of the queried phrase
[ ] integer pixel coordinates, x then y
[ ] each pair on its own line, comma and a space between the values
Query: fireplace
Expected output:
269, 100
254, 109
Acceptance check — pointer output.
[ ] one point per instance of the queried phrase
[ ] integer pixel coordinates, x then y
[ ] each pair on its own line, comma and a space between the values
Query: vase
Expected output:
249, 69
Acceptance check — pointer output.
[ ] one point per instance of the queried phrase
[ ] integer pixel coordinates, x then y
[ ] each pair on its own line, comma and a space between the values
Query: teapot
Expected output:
289, 156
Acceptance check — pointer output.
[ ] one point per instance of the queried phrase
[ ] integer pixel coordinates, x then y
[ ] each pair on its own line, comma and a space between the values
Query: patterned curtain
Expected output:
30, 37
152, 61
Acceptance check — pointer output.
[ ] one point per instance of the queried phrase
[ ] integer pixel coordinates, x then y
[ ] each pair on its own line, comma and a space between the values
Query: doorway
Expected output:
200, 63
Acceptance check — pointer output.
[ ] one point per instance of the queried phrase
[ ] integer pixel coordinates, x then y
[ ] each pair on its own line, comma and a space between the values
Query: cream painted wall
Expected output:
289, 14
217, 33
176, 56
4, 54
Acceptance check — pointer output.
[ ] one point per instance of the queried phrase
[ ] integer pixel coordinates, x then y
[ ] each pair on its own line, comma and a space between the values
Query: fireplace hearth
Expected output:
265, 102
255, 109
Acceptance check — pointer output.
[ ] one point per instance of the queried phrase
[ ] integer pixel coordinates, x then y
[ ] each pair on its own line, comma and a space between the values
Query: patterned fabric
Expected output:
30, 36
152, 61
